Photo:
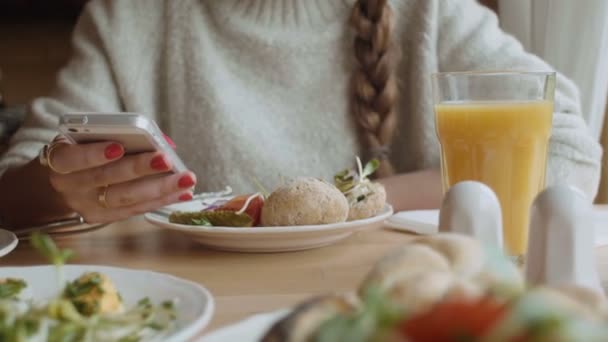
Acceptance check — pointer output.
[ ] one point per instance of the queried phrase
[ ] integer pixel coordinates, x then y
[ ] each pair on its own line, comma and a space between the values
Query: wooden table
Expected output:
242, 284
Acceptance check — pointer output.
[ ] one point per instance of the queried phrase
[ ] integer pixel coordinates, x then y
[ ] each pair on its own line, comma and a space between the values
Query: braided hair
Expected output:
374, 86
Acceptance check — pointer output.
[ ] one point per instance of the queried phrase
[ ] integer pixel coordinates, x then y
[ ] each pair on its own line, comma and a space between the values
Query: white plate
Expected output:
8, 242
267, 239
194, 303
251, 329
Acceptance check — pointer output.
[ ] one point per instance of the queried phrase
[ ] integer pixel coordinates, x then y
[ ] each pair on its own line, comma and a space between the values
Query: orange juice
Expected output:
503, 145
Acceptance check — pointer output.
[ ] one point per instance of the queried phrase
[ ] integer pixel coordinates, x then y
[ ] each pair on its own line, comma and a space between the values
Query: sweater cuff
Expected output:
563, 170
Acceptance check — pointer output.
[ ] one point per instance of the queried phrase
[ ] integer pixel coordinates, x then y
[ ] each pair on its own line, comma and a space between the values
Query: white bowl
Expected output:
194, 304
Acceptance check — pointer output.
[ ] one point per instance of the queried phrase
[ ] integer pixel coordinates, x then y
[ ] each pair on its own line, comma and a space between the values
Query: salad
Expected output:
352, 196
88, 308
448, 287
525, 317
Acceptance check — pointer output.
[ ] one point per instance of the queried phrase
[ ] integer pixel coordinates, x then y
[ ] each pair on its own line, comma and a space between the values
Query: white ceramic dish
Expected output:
251, 329
8, 242
194, 303
267, 239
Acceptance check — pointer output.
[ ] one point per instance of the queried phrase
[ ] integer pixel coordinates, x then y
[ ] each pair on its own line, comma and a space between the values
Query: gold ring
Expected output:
46, 154
102, 197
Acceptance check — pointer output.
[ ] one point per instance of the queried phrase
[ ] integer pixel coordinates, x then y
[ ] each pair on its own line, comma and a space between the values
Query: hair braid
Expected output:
374, 87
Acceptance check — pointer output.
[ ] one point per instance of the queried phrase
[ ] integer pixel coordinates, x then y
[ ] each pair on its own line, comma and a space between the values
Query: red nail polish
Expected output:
169, 141
185, 197
186, 182
159, 163
113, 151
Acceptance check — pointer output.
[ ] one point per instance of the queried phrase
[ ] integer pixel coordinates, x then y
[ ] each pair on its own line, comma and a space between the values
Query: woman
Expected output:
261, 89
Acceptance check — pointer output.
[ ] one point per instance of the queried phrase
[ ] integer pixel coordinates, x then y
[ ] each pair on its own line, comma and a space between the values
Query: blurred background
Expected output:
34, 44
571, 35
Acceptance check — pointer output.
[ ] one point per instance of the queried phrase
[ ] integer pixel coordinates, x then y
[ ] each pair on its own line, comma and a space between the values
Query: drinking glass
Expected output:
494, 127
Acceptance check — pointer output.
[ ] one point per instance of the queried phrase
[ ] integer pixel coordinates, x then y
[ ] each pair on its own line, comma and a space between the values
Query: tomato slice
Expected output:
254, 208
454, 320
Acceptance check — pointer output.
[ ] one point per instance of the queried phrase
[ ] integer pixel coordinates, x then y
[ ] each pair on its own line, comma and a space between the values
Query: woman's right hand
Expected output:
86, 174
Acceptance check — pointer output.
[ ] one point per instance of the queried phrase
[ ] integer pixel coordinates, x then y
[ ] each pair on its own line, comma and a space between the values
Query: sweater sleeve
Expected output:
86, 83
469, 38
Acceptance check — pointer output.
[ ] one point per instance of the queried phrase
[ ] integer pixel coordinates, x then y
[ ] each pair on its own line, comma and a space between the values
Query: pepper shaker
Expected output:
561, 240
472, 208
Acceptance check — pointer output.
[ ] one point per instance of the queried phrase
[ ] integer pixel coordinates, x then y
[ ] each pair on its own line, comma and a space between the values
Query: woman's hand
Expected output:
103, 185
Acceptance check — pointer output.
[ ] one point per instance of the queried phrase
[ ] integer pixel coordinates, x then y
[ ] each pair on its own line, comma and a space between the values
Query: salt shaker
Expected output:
472, 208
561, 245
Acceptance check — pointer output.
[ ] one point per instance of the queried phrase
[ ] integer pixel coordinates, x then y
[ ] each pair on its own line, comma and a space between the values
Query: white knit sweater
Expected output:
258, 88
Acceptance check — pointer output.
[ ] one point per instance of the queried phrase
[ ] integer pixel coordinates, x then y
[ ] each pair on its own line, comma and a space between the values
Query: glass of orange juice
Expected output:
494, 127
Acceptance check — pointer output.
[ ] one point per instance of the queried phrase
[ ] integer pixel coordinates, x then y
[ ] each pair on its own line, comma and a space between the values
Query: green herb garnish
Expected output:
67, 332
84, 293
10, 288
375, 317
155, 326
217, 218
144, 303
80, 287
45, 246
168, 305
201, 222
355, 185
261, 187
370, 168
345, 180
74, 314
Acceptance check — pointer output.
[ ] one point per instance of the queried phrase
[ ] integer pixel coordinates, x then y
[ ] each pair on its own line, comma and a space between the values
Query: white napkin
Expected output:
426, 221
422, 222
251, 329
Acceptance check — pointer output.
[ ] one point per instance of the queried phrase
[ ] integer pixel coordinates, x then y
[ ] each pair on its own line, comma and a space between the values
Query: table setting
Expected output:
427, 221
255, 326
318, 260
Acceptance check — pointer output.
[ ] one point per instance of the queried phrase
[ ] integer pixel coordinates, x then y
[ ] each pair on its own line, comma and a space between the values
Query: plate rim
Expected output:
269, 318
189, 331
7, 249
380, 217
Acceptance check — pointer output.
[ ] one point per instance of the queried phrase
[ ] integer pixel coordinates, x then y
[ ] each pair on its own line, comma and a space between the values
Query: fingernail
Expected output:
60, 138
186, 181
113, 151
159, 163
169, 141
186, 197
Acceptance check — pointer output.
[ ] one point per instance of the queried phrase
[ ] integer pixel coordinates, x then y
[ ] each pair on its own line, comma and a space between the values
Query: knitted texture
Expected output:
261, 89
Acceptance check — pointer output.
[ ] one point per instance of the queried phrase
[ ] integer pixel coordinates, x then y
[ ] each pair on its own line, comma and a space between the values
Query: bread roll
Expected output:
305, 201
430, 268
372, 205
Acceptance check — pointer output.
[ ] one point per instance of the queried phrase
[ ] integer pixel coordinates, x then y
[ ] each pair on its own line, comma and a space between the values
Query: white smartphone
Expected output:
135, 132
